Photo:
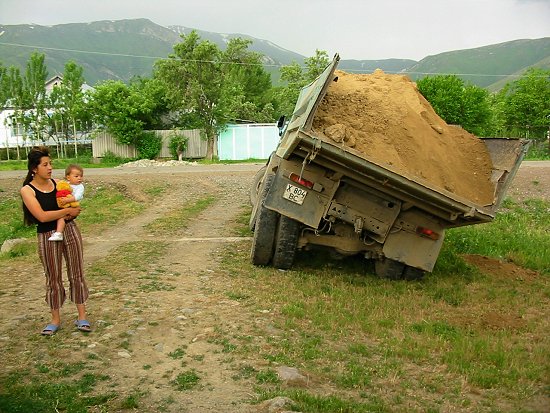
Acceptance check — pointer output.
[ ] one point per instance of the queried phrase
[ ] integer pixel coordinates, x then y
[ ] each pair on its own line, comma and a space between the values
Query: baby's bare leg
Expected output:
60, 225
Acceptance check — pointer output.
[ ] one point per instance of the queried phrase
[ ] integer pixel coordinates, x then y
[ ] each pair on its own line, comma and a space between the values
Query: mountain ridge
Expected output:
122, 49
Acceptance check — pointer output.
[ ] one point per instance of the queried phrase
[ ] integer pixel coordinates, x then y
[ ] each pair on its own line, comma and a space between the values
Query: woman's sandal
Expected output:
83, 325
50, 330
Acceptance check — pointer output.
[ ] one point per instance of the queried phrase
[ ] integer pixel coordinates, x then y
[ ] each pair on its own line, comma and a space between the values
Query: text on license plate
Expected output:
294, 194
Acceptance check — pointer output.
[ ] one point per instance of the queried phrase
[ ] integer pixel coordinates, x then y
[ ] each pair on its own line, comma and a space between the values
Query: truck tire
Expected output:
286, 242
412, 273
387, 268
395, 270
264, 229
256, 185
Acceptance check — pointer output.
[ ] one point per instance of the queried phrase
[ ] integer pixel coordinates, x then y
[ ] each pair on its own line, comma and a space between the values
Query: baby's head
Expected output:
74, 174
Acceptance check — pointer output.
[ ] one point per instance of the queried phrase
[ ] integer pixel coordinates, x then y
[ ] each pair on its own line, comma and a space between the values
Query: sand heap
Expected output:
385, 117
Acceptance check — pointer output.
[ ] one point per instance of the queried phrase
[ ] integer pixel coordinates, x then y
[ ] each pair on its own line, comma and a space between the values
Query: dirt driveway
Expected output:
138, 333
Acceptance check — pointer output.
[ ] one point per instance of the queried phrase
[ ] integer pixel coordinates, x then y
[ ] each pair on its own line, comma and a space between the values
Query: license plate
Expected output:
295, 194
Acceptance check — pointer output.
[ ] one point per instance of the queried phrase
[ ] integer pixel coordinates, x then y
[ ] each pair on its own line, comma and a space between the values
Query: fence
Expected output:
248, 141
235, 143
104, 142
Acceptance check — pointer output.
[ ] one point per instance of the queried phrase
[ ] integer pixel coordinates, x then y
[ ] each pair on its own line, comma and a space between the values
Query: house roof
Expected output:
54, 81
57, 80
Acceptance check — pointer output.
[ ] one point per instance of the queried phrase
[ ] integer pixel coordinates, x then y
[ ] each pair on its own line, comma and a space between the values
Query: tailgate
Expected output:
506, 155
309, 99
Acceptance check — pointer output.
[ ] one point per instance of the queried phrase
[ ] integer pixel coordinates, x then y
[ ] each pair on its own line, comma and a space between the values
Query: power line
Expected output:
250, 64
129, 55
78, 51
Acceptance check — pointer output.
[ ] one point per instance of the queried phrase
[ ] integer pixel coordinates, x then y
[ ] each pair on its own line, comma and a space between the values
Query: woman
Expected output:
40, 209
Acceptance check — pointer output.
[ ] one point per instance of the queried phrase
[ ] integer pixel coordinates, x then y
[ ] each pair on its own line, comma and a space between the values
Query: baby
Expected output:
74, 174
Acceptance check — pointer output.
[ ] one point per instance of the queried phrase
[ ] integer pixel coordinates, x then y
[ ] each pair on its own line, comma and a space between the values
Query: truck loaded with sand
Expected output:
366, 166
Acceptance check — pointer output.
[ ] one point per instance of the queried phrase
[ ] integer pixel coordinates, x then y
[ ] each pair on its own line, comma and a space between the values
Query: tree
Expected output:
296, 77
208, 87
526, 104
194, 78
68, 100
154, 92
4, 87
118, 109
246, 83
315, 65
457, 103
20, 103
34, 85
476, 110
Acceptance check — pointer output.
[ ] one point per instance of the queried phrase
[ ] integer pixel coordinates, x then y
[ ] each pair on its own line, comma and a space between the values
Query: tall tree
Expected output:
34, 84
194, 75
209, 87
19, 101
4, 87
246, 81
69, 99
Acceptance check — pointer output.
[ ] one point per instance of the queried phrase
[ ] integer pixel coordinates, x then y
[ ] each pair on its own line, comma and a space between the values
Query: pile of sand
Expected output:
385, 117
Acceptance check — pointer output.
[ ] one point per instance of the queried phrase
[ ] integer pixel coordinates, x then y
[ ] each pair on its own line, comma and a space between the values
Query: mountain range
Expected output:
122, 49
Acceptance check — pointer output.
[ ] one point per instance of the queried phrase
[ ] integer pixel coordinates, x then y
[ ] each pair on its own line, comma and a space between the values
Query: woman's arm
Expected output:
30, 201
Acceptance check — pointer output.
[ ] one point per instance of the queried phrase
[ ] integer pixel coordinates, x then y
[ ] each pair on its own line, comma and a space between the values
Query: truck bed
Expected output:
506, 156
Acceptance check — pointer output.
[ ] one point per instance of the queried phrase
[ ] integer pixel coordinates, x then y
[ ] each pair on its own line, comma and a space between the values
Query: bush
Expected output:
148, 145
539, 150
178, 144
109, 158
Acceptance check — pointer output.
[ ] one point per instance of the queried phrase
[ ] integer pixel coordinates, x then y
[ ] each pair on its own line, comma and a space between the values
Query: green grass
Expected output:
538, 151
518, 233
131, 402
51, 388
179, 218
178, 353
137, 258
11, 225
410, 346
105, 205
61, 163
186, 380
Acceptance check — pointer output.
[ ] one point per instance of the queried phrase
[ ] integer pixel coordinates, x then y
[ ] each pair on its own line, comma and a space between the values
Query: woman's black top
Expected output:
48, 202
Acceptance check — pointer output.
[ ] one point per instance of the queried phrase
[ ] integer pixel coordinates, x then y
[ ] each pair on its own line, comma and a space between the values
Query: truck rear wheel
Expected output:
285, 243
387, 268
412, 273
264, 229
395, 270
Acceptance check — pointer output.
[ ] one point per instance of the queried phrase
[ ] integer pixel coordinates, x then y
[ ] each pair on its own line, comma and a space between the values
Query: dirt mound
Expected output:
385, 117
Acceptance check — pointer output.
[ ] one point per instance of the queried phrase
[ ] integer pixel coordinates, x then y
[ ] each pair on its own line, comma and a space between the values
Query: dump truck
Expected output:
317, 193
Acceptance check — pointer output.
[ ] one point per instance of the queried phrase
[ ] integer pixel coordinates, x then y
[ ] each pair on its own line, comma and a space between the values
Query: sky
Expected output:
356, 29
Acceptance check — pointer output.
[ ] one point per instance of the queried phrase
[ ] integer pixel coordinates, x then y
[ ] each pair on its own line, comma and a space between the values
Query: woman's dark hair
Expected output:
33, 160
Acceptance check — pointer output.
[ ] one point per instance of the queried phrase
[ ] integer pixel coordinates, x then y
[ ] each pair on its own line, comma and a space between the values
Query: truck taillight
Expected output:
426, 232
304, 182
